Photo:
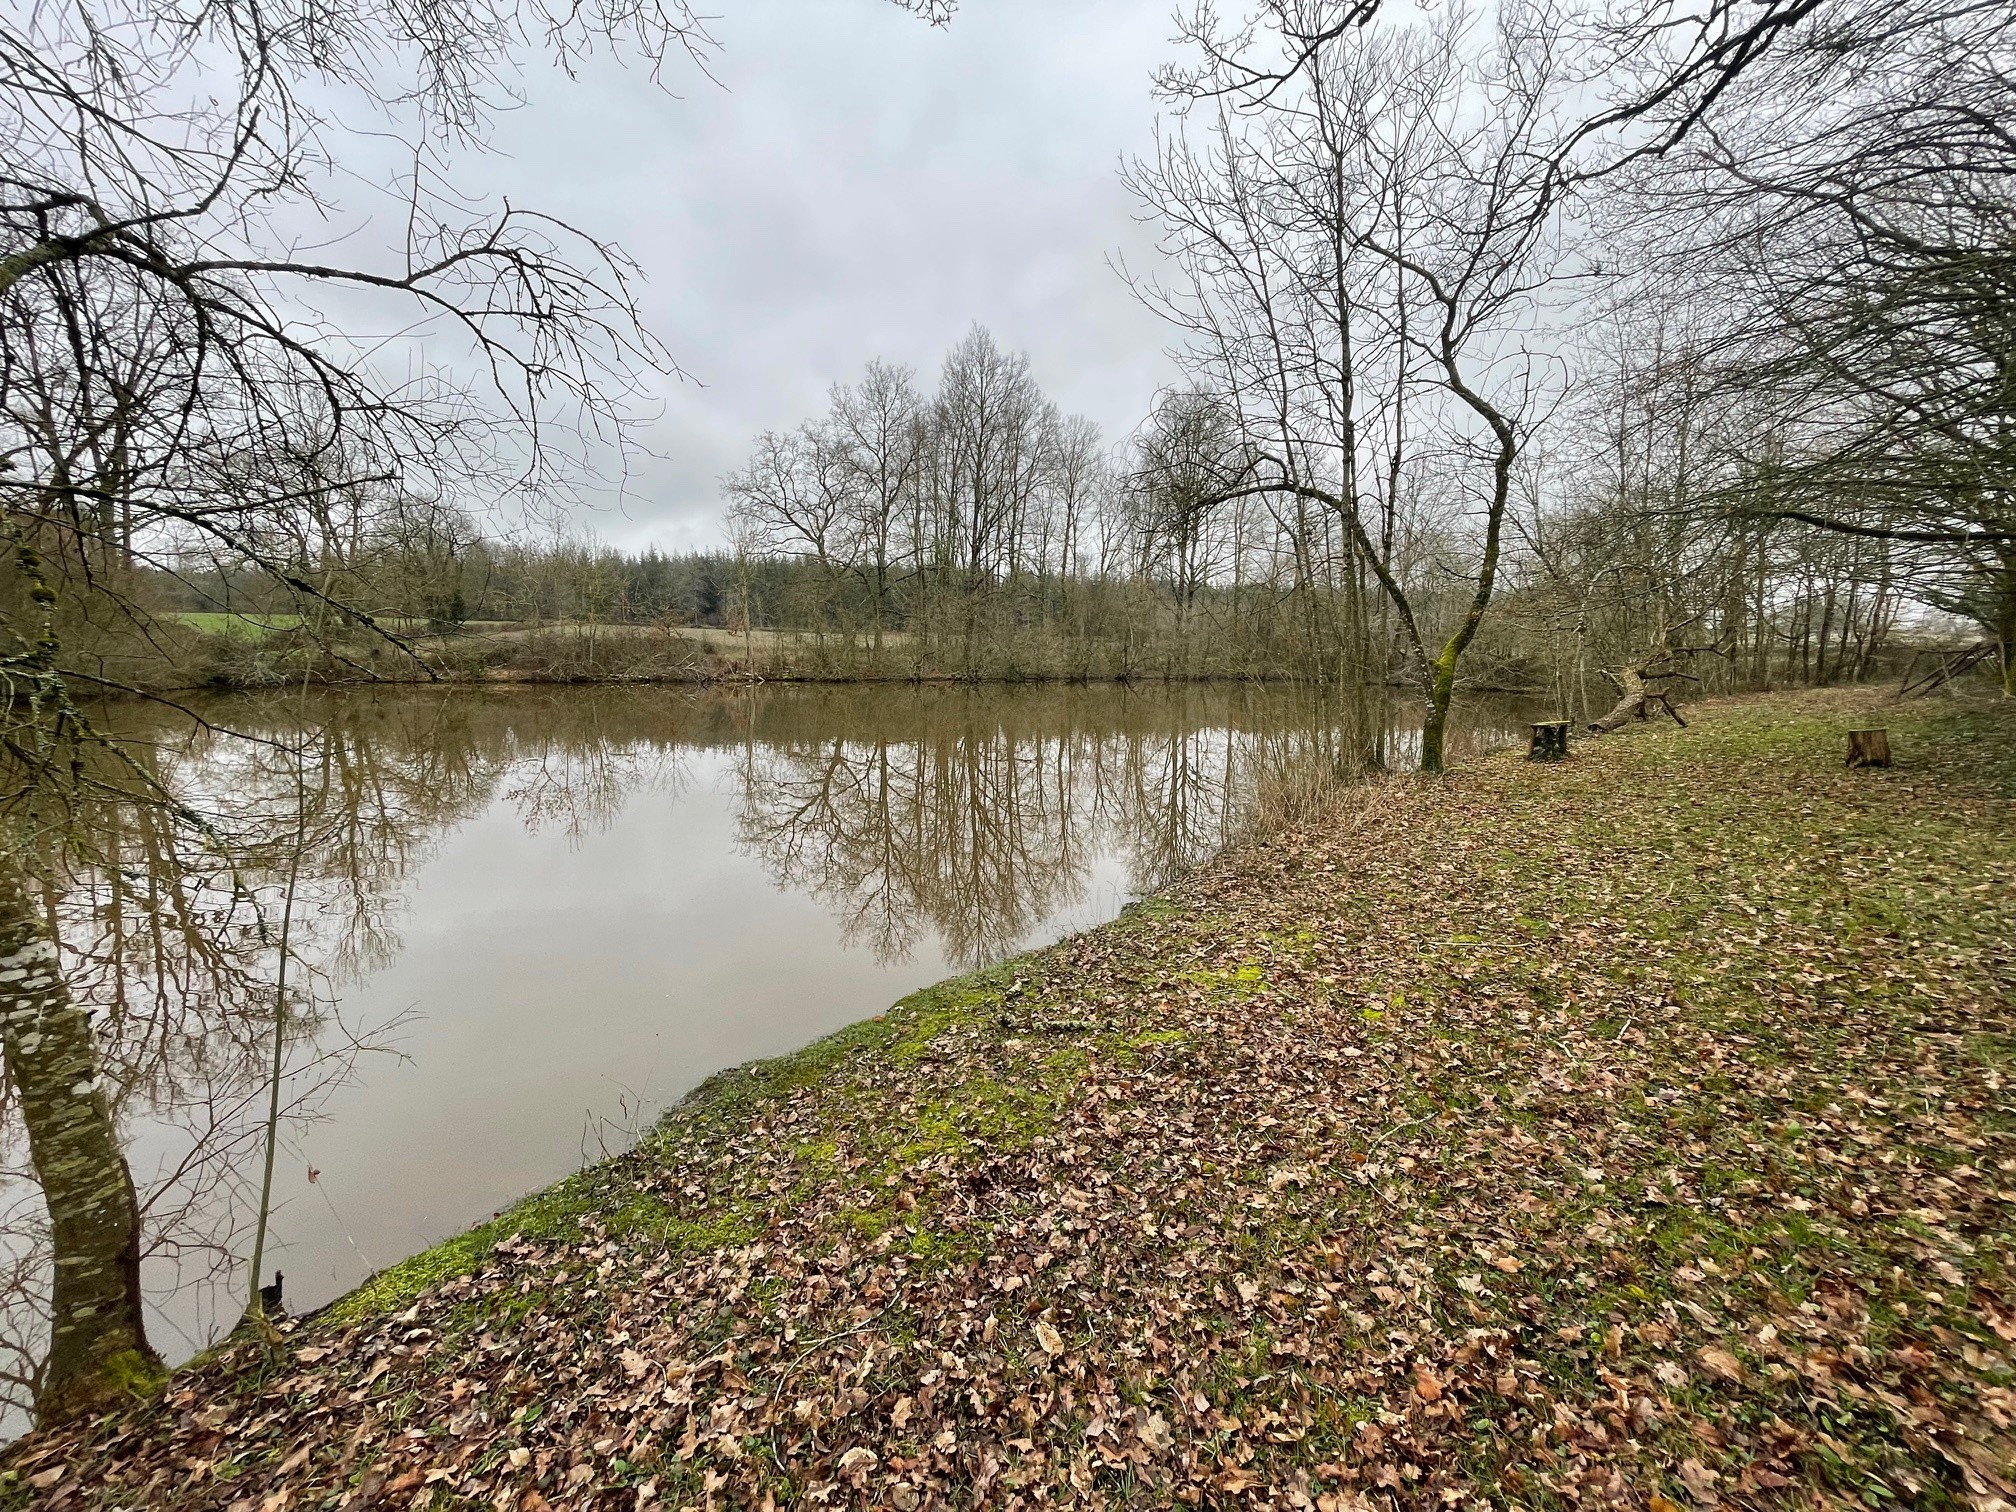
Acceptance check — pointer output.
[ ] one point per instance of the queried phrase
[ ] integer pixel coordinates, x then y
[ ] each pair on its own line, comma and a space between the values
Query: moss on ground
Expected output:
609, 1195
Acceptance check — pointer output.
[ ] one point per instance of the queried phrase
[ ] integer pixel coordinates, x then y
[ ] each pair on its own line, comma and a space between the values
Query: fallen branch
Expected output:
1639, 694
1637, 699
1946, 664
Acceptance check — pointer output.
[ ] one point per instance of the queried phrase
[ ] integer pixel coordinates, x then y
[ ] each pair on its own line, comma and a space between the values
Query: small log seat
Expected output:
1550, 741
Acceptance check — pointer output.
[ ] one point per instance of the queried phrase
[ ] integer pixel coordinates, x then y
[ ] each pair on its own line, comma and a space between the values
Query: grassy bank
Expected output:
1636, 1131
258, 651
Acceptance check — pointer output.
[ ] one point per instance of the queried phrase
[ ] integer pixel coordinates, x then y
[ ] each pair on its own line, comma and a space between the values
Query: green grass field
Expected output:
254, 627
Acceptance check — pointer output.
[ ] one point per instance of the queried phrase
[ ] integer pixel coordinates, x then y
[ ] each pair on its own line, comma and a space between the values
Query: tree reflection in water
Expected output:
972, 819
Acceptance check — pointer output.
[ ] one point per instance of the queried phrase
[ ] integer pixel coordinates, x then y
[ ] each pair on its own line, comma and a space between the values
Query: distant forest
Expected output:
975, 531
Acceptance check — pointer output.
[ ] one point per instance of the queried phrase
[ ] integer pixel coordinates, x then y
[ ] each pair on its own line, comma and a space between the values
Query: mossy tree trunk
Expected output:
2005, 623
1441, 692
1442, 670
98, 1349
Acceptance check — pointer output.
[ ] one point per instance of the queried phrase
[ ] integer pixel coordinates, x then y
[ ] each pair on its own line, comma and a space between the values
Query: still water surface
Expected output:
527, 921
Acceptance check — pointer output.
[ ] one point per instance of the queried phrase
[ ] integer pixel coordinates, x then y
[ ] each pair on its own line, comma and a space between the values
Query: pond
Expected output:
521, 923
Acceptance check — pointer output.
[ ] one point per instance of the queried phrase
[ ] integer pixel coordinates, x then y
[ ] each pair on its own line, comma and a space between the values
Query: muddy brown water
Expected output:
526, 922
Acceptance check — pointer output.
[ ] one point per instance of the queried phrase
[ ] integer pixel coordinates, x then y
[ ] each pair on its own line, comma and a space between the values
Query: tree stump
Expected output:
1868, 748
1550, 741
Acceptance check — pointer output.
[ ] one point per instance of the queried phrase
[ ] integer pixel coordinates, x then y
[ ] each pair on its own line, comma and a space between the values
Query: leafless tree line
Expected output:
927, 502
1815, 303
1522, 341
975, 531
1572, 332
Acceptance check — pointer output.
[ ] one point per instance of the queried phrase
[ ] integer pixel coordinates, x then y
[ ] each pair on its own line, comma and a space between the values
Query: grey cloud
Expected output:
859, 185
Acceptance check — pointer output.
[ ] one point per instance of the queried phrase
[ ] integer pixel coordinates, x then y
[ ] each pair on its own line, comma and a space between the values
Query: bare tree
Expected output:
170, 385
1182, 456
1845, 224
878, 429
989, 421
1366, 242
932, 509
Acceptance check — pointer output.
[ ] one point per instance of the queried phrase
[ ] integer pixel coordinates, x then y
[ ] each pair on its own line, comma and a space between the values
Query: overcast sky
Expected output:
859, 184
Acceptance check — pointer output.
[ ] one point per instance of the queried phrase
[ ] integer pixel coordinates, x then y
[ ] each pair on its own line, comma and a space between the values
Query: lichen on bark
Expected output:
98, 1349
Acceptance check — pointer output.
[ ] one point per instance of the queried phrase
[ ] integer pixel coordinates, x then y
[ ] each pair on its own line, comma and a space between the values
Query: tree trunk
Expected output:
1868, 748
1435, 727
2005, 625
98, 1350
1637, 698
881, 602
1822, 667
1631, 695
